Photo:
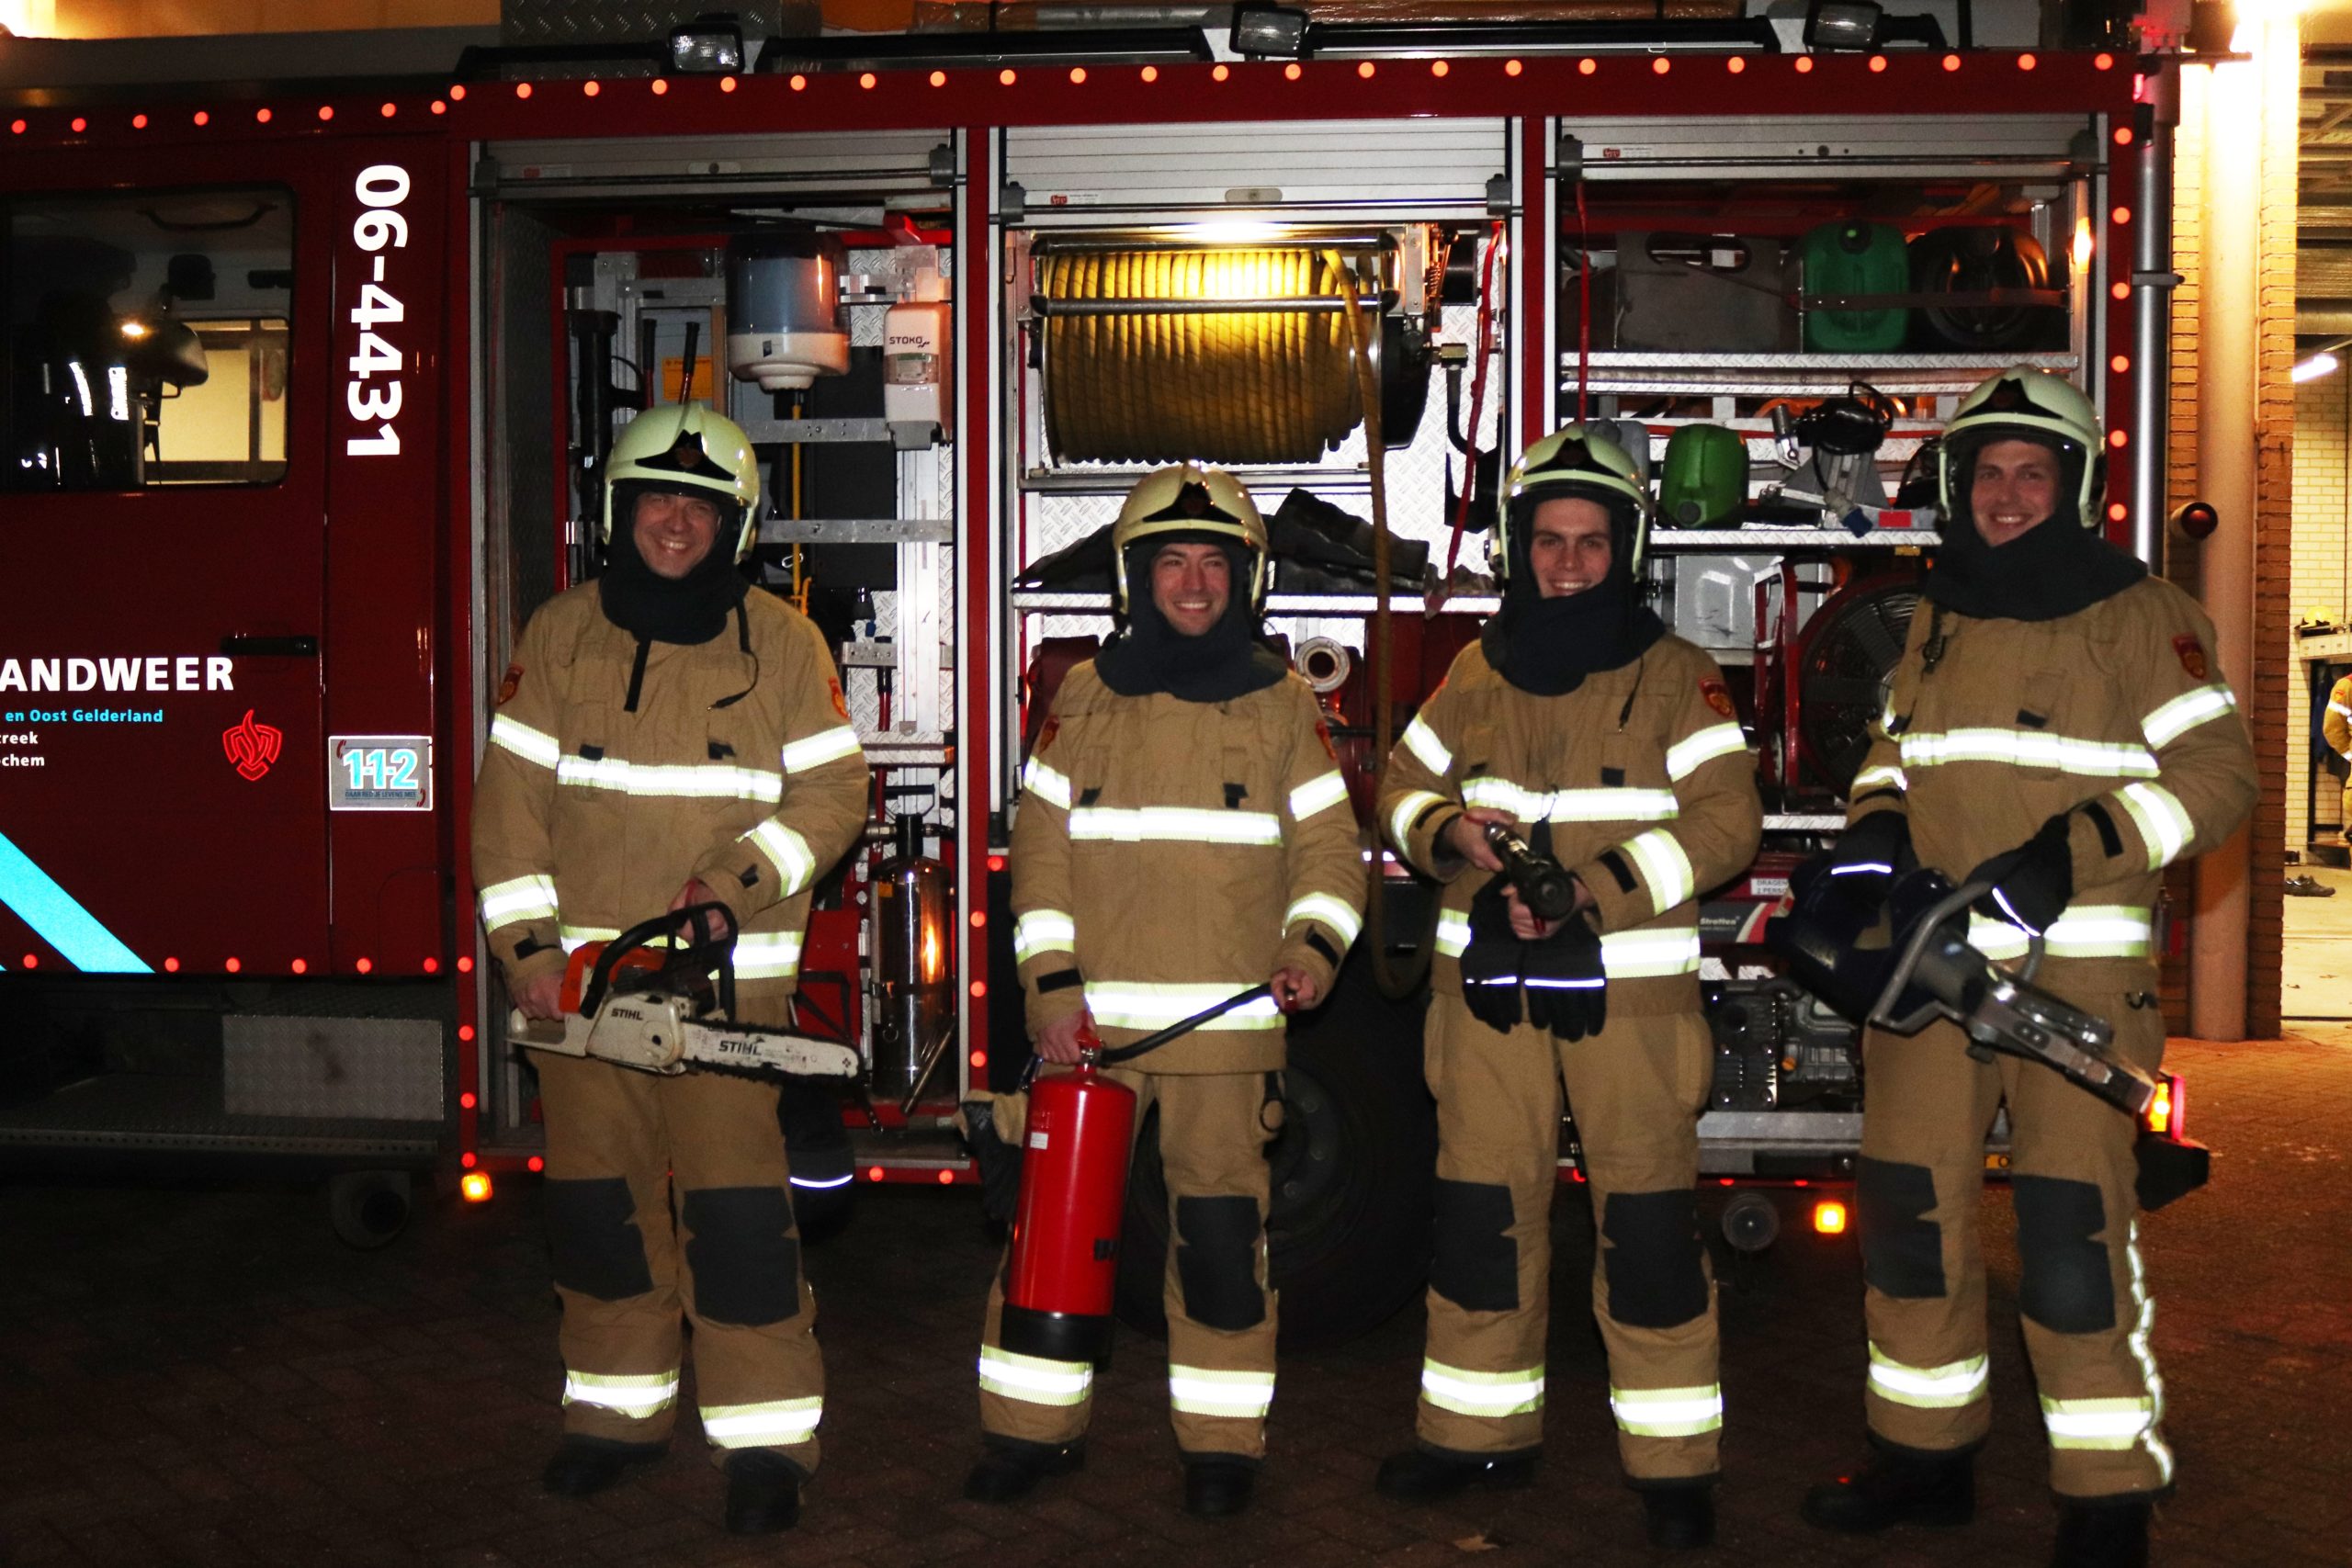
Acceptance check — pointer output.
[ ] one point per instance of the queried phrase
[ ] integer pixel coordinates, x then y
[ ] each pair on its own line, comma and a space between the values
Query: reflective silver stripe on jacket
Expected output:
1173, 824
2029, 749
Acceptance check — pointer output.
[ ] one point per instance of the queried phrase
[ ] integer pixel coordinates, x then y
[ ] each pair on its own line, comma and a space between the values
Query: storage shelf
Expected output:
1794, 375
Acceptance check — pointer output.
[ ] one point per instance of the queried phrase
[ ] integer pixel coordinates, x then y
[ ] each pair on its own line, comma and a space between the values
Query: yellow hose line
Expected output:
1218, 387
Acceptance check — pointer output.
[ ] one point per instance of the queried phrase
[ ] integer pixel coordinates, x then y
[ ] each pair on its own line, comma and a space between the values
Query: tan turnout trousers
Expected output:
1213, 1128
2082, 1292
1635, 1091
667, 1194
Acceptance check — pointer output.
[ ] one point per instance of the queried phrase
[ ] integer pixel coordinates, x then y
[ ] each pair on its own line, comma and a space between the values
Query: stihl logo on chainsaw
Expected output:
252, 747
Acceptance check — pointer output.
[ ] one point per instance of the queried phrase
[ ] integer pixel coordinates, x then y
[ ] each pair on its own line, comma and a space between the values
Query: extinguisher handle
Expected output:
1183, 1027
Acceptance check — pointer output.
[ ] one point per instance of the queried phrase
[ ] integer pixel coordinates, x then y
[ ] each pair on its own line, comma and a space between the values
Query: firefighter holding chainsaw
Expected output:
1613, 749
1184, 834
666, 737
2056, 729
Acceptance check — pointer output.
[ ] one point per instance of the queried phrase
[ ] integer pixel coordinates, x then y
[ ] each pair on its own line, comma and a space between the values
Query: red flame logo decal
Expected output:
253, 747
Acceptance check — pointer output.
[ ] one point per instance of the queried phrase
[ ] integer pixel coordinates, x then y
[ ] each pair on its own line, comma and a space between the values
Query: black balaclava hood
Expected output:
2053, 569
1546, 646
691, 609
1222, 663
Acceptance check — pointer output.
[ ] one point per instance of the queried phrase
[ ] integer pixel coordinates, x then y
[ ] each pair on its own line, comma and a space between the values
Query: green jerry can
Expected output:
1702, 481
1843, 259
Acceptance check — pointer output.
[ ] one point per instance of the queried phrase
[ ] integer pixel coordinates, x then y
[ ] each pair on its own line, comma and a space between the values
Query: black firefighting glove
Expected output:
1870, 854
999, 1162
2032, 883
1490, 964
1567, 991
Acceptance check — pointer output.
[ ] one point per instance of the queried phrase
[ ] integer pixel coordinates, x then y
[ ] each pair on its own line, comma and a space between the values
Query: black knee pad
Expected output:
592, 1229
745, 1263
2066, 1284
1476, 1265
1903, 1250
1216, 1260
1653, 1260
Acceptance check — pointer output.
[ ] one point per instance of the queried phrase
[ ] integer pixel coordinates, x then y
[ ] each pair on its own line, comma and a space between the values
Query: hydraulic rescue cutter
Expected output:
665, 1009
1901, 962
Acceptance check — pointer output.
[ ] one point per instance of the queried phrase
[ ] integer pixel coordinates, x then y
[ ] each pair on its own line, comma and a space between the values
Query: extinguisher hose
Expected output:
1117, 1055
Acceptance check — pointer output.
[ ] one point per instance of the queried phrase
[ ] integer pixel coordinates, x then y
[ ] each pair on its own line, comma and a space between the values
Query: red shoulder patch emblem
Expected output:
509, 687
1053, 726
840, 704
1323, 733
2192, 655
1718, 697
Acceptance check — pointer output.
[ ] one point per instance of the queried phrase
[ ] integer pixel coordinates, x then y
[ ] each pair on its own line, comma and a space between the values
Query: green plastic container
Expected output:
1702, 479
1855, 258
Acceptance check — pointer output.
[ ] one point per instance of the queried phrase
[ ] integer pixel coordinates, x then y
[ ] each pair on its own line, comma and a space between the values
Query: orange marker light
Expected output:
1151, 72
1364, 69
979, 919
534, 1163
727, 84
979, 988
2123, 135
431, 964
1438, 68
469, 1159
1736, 64
16, 127
1829, 1217
465, 1031
80, 125
465, 1101
798, 83
2121, 291
2117, 437
947, 1178
171, 965
2120, 214
2026, 62
939, 78
465, 965
475, 1184
866, 79
300, 967
1293, 71
1661, 65
2120, 364
1804, 64
1218, 75
231, 965
874, 1173
590, 87
995, 863
390, 109
2103, 63
440, 108
661, 87
1878, 62
979, 1058
364, 966
457, 92
522, 89
138, 122
1512, 68
2117, 512
32, 960
326, 111
1076, 74
1586, 67
1951, 62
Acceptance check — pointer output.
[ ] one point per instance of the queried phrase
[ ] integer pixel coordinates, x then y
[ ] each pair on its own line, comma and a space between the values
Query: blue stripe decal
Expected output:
41, 904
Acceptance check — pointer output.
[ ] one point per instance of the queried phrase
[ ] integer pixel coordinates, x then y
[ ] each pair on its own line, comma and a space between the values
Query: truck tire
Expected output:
1353, 1169
368, 1208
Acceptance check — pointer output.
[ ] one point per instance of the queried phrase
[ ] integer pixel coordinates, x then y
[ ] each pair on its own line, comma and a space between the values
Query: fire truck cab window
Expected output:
146, 340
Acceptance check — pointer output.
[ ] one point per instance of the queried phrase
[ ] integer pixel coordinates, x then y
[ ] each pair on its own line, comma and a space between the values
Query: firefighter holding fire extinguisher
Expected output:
1185, 835
666, 739
1614, 747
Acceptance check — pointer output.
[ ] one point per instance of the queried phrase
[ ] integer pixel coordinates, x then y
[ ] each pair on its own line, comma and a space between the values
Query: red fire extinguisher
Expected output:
1063, 1272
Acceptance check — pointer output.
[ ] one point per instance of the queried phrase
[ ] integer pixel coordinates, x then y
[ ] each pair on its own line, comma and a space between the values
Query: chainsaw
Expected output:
663, 1010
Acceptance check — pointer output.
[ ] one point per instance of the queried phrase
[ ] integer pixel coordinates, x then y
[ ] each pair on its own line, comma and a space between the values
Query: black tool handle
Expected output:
1547, 890
691, 962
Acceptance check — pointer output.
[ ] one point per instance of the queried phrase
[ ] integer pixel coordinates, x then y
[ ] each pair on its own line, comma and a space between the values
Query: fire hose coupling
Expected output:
1544, 886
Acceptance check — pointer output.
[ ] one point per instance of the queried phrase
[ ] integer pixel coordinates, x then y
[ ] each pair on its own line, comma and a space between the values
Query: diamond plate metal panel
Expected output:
377, 1068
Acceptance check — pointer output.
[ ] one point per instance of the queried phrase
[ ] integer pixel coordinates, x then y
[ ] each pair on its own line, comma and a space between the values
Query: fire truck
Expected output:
309, 385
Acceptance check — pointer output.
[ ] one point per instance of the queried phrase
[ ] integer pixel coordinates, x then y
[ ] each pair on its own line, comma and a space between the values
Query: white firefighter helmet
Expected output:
686, 449
1577, 462
1190, 499
2025, 404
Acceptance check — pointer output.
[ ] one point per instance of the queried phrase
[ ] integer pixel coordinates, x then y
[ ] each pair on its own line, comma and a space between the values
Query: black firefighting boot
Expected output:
581, 1467
1423, 1475
1216, 1485
2102, 1532
1896, 1486
763, 1492
1680, 1517
1011, 1468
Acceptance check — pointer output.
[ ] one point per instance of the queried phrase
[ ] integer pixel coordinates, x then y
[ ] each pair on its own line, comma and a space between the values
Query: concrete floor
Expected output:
2318, 959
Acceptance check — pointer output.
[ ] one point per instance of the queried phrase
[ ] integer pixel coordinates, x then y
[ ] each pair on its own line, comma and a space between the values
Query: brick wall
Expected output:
2323, 573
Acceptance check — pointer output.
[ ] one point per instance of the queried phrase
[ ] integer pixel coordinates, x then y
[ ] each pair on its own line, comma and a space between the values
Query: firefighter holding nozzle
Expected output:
1185, 835
666, 737
2057, 727
1614, 747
